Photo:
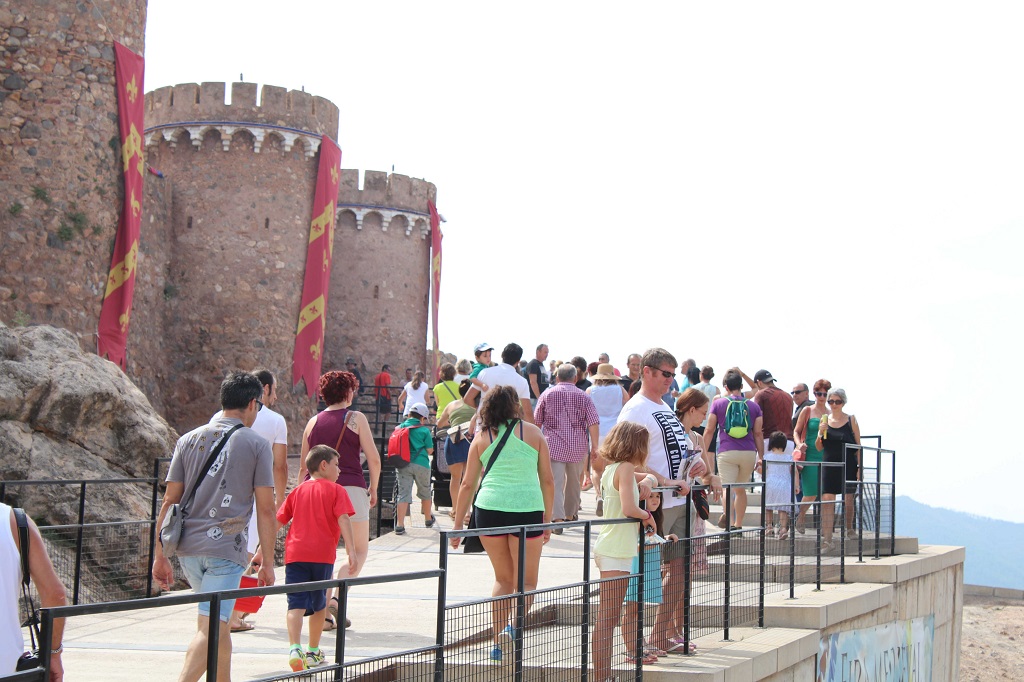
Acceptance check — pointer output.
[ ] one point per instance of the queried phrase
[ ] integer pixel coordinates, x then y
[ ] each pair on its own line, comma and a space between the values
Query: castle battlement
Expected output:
190, 103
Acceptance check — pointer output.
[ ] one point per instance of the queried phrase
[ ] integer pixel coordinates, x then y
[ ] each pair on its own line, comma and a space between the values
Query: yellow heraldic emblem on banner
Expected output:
311, 312
132, 89
136, 206
123, 320
334, 176
314, 350
120, 273
132, 146
321, 223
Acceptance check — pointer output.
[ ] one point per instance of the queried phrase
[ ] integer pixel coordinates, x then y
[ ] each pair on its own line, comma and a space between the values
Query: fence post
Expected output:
442, 596
878, 502
842, 528
213, 637
892, 503
794, 511
819, 523
78, 544
687, 576
339, 632
728, 562
761, 568
520, 625
152, 527
585, 648
638, 640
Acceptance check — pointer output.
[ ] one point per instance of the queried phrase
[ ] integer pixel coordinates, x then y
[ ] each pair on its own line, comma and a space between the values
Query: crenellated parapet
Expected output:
190, 112
206, 102
387, 201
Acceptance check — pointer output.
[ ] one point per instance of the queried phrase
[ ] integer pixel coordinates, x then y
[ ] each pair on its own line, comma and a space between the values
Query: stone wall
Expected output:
235, 207
58, 156
224, 233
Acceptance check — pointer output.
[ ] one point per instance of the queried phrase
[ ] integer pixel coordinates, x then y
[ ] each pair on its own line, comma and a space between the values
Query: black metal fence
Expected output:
96, 558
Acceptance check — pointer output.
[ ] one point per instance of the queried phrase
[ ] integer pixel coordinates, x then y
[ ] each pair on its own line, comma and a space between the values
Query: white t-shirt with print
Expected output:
668, 447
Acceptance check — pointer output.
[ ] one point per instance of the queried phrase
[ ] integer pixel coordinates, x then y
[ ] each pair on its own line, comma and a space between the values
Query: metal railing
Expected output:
86, 545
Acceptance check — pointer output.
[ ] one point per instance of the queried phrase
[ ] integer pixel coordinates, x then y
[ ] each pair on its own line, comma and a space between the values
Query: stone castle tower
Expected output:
59, 179
224, 233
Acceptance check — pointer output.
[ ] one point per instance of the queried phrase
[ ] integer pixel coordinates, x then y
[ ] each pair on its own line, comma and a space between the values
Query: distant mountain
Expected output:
995, 549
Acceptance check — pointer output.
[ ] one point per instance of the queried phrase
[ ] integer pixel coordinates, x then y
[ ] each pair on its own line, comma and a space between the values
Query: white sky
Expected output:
822, 190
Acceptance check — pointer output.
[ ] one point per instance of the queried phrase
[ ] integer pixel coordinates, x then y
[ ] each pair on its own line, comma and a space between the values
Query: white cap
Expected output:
420, 409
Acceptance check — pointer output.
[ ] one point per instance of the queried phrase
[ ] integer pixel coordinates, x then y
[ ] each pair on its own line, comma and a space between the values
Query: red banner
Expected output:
117, 300
435, 280
309, 338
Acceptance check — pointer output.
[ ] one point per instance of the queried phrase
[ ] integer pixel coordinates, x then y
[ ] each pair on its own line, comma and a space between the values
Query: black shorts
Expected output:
383, 405
488, 518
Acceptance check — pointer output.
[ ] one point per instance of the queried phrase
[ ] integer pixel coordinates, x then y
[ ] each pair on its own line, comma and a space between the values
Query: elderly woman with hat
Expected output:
609, 397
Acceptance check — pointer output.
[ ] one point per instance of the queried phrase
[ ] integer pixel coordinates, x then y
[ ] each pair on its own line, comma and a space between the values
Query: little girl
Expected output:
625, 449
652, 579
778, 483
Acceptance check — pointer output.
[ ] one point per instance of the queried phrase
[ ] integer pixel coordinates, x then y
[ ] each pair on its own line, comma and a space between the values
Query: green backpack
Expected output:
737, 419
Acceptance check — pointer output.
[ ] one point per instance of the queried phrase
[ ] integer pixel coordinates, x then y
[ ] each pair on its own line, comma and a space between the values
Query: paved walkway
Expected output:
150, 644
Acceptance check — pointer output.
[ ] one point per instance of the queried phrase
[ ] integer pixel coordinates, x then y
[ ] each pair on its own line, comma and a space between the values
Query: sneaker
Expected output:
314, 658
400, 530
496, 654
296, 659
430, 522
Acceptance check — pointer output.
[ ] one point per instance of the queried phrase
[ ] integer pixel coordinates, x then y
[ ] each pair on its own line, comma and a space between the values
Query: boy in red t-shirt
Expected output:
318, 509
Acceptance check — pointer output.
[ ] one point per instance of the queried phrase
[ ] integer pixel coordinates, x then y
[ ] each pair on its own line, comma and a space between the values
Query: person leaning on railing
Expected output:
51, 593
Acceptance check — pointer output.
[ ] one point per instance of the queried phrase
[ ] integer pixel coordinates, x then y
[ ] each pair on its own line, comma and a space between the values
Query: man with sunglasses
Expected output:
801, 399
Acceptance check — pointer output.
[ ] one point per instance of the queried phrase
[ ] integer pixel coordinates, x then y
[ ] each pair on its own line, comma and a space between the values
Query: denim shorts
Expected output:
212, 574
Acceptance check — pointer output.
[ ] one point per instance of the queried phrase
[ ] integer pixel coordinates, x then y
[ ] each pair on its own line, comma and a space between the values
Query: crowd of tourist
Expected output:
521, 441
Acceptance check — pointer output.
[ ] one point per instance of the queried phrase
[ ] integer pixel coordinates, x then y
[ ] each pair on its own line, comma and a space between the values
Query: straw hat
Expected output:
605, 371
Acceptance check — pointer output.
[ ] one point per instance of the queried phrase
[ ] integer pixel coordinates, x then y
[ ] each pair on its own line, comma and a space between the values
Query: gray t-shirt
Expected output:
216, 522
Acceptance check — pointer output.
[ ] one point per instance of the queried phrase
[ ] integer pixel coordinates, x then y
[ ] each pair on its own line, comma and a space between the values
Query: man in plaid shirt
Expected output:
567, 417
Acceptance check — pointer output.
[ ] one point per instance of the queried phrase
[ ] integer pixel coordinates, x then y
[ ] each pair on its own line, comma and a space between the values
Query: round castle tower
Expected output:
59, 157
232, 215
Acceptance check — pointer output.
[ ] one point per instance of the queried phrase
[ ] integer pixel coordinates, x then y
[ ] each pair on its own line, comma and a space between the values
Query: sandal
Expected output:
651, 649
243, 626
648, 659
681, 646
329, 624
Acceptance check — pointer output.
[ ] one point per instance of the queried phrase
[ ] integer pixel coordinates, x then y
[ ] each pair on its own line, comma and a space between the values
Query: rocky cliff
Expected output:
67, 414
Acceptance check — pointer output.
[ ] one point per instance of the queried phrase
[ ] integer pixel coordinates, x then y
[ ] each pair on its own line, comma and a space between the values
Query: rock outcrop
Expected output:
67, 414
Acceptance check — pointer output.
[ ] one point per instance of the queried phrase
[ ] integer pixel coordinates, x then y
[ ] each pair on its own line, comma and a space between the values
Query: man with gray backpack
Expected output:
740, 444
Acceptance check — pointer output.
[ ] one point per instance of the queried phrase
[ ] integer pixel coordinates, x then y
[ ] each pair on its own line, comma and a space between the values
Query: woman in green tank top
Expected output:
517, 489
804, 435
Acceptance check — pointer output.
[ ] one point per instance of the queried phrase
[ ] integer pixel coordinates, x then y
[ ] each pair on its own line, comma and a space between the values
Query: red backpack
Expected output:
399, 448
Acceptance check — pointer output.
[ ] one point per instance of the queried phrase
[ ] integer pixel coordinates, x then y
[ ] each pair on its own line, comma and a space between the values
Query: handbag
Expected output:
174, 520
471, 544
30, 659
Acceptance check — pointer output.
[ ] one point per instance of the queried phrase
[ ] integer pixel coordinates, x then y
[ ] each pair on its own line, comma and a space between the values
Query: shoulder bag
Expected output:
174, 521
472, 544
30, 659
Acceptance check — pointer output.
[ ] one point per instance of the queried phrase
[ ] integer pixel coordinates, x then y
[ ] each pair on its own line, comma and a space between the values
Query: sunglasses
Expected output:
259, 405
664, 373
820, 394
802, 390
835, 402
